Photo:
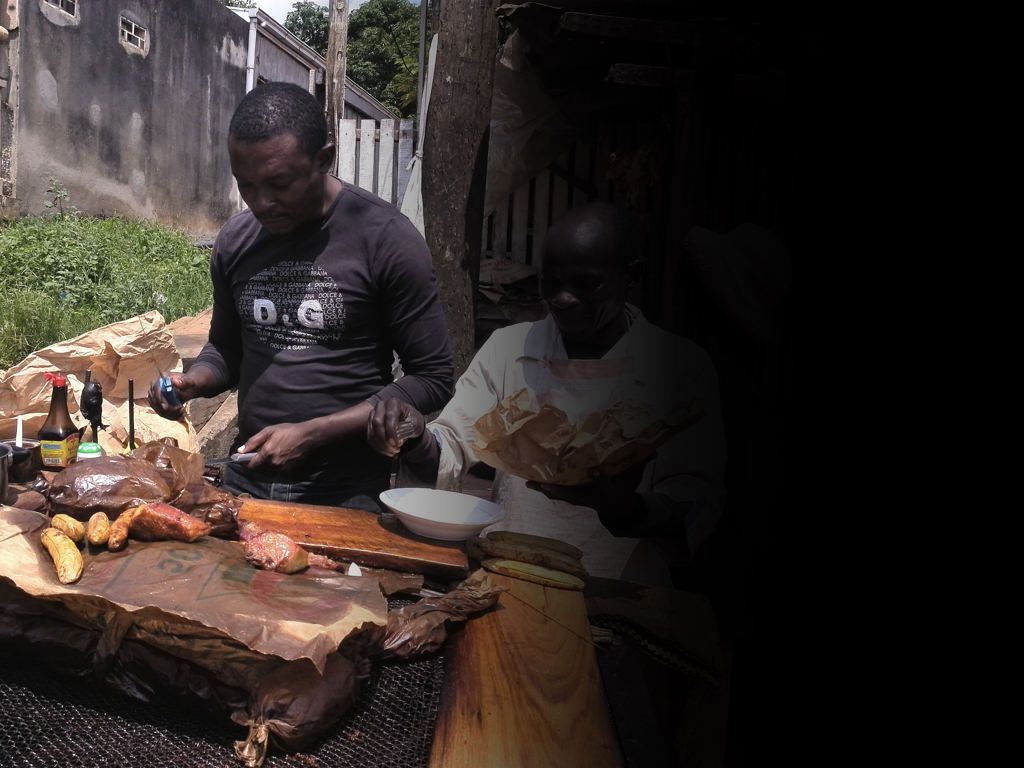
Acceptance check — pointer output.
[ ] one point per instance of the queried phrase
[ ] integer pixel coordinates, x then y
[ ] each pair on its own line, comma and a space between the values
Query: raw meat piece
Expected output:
275, 552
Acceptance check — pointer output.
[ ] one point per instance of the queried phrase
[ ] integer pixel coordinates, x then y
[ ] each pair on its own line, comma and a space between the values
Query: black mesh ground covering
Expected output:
50, 721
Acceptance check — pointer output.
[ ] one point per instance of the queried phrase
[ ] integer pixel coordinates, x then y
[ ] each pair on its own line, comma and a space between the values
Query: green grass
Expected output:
64, 275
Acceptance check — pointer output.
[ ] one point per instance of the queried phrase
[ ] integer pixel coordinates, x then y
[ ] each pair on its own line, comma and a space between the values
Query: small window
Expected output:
133, 34
68, 6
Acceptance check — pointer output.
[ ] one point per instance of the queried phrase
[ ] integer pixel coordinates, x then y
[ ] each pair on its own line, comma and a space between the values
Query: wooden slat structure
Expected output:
516, 229
347, 151
375, 155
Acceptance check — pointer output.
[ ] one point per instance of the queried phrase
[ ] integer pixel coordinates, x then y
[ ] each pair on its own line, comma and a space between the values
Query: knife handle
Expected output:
242, 458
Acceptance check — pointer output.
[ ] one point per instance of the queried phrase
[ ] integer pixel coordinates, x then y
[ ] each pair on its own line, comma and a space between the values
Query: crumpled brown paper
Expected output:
284, 655
542, 443
170, 587
130, 349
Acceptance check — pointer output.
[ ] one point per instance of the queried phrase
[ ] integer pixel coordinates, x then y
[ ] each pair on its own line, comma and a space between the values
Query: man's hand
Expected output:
390, 424
200, 381
618, 505
183, 388
280, 447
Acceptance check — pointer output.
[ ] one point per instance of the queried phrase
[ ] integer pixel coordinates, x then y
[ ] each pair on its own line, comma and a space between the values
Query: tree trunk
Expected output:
455, 160
337, 44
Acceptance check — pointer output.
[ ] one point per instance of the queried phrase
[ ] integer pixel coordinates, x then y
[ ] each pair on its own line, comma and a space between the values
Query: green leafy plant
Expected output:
60, 196
65, 275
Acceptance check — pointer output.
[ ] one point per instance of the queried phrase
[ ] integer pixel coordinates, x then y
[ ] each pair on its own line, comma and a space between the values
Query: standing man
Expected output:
314, 285
641, 523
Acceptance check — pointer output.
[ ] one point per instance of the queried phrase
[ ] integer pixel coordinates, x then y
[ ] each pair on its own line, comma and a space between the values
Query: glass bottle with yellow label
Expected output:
58, 437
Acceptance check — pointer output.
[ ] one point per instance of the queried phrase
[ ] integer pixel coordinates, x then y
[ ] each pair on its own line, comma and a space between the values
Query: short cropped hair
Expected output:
273, 108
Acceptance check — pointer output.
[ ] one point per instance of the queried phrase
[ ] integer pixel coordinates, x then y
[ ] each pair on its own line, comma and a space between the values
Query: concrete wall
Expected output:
130, 133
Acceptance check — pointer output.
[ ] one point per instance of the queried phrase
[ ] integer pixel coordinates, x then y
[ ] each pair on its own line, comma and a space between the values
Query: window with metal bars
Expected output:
134, 34
68, 6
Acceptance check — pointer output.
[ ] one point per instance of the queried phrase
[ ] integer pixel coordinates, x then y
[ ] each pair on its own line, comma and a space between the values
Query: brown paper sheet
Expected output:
208, 583
131, 349
544, 444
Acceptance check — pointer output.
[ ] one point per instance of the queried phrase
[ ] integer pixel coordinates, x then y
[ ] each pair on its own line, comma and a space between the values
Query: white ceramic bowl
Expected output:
442, 515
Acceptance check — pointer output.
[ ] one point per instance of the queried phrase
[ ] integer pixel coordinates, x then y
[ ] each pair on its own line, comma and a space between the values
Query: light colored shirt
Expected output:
662, 368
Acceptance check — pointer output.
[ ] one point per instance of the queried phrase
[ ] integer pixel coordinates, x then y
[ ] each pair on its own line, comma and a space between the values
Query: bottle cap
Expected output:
89, 451
58, 379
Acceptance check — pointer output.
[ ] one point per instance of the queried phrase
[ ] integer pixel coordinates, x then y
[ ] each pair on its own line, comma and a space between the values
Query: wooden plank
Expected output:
602, 159
499, 240
645, 76
583, 164
406, 149
347, 150
485, 248
541, 212
559, 191
523, 689
358, 536
367, 151
624, 28
686, 173
520, 208
386, 161
337, 46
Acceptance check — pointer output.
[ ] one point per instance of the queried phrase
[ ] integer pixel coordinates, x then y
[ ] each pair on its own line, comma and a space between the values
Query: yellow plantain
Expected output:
65, 554
67, 525
485, 547
535, 573
536, 542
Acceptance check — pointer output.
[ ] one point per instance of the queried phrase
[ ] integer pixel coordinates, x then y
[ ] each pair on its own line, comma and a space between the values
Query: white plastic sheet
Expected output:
412, 203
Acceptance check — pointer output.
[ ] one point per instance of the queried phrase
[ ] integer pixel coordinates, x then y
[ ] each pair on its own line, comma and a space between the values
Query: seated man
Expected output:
639, 523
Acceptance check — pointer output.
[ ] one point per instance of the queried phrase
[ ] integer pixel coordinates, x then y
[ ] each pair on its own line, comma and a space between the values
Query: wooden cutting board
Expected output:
358, 536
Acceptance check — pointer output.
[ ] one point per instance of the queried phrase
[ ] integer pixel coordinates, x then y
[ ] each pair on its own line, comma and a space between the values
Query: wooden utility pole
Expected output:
455, 160
337, 44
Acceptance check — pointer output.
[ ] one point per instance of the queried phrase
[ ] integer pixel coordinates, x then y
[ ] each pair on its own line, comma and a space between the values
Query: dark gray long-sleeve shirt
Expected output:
304, 324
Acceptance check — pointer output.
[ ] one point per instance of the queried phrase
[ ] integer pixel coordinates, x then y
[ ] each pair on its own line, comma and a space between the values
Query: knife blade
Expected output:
237, 458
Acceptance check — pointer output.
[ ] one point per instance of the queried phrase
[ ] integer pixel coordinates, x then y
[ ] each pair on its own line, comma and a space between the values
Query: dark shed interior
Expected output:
708, 124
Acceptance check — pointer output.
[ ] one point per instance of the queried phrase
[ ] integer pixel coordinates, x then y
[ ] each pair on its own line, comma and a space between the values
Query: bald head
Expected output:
602, 232
585, 273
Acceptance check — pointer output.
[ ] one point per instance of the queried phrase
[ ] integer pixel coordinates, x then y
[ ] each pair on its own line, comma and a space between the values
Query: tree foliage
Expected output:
383, 48
311, 23
239, 3
382, 54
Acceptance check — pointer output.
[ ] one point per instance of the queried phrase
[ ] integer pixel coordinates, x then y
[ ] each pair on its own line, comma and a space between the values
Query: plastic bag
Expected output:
156, 471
